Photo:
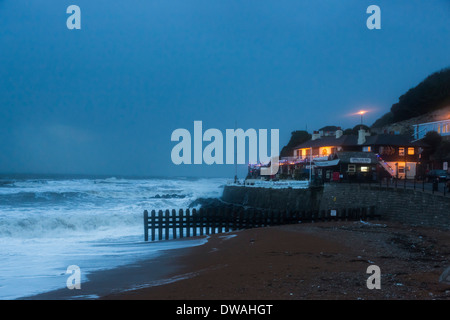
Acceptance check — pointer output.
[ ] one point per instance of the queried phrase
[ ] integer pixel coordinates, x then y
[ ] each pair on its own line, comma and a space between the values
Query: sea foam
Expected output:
48, 224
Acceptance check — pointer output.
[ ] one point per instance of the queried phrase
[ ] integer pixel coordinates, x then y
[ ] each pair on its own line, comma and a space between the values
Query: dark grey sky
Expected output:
105, 99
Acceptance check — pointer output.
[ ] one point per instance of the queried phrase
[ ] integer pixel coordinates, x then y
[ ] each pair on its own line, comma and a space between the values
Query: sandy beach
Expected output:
314, 261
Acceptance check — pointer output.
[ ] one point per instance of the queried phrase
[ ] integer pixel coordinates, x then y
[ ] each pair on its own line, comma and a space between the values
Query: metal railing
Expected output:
433, 187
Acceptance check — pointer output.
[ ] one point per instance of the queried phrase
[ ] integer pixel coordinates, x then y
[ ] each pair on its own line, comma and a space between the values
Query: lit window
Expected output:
364, 169
367, 149
401, 151
401, 169
410, 151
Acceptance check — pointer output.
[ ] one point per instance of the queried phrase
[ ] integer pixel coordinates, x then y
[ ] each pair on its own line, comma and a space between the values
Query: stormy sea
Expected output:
48, 223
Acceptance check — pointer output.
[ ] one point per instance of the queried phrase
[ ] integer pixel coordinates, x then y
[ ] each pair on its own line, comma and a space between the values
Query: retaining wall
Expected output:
403, 205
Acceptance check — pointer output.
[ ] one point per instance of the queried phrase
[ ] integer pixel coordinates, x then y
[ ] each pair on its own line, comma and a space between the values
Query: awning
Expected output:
329, 163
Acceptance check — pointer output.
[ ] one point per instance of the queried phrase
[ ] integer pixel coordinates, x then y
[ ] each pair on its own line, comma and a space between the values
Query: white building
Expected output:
442, 127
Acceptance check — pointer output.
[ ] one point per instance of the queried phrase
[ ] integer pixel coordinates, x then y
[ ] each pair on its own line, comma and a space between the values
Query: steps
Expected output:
386, 166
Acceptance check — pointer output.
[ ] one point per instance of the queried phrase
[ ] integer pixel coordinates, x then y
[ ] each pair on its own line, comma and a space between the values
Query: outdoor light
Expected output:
362, 112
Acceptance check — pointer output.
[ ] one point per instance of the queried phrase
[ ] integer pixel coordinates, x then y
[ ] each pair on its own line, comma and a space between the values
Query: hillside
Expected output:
297, 137
424, 100
405, 126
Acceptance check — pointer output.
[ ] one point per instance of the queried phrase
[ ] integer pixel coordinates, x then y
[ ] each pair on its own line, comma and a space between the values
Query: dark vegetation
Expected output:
297, 137
439, 149
431, 94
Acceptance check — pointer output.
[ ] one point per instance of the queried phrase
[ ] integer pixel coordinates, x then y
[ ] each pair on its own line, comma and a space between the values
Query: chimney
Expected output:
361, 136
339, 133
315, 135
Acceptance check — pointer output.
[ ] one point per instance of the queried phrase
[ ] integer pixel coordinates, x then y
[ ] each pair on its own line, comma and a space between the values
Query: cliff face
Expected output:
406, 126
428, 101
278, 199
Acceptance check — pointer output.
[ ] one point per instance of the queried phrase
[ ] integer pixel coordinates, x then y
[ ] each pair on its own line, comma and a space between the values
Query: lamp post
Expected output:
362, 112
310, 165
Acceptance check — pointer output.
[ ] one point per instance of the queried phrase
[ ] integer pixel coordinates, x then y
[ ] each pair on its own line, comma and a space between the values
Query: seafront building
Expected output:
332, 156
442, 127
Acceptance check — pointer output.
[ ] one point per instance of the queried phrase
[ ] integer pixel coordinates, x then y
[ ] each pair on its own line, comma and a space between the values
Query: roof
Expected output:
345, 140
402, 140
433, 122
352, 140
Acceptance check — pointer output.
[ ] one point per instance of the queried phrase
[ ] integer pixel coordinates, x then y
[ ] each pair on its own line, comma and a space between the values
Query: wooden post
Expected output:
325, 215
201, 219
160, 224
372, 212
188, 223
286, 214
203, 222
235, 219
241, 218
257, 217
271, 218
211, 218
153, 222
338, 214
194, 222
146, 225
263, 218
227, 218
220, 220
181, 222
251, 218
167, 225
174, 223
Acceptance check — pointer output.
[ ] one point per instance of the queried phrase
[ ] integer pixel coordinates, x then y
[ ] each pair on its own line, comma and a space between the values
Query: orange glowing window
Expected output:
401, 151
411, 151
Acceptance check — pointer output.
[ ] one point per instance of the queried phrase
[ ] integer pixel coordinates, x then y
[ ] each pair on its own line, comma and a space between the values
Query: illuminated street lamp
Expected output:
362, 112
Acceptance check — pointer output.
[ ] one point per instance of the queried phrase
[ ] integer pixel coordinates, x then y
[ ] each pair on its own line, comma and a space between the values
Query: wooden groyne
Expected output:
173, 224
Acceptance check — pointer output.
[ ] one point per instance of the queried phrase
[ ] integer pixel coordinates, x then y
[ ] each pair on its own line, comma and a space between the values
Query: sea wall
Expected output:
413, 207
402, 205
282, 199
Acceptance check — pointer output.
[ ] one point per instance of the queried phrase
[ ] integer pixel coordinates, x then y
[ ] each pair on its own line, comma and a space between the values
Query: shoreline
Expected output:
310, 261
153, 271
314, 261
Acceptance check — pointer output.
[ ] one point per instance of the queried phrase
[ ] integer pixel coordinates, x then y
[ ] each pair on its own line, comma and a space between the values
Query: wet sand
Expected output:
326, 260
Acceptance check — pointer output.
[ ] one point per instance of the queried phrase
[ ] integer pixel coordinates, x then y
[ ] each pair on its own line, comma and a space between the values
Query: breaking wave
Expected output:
48, 224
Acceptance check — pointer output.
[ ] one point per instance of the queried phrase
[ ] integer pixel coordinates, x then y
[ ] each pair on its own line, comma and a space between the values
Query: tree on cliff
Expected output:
297, 137
439, 149
431, 94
